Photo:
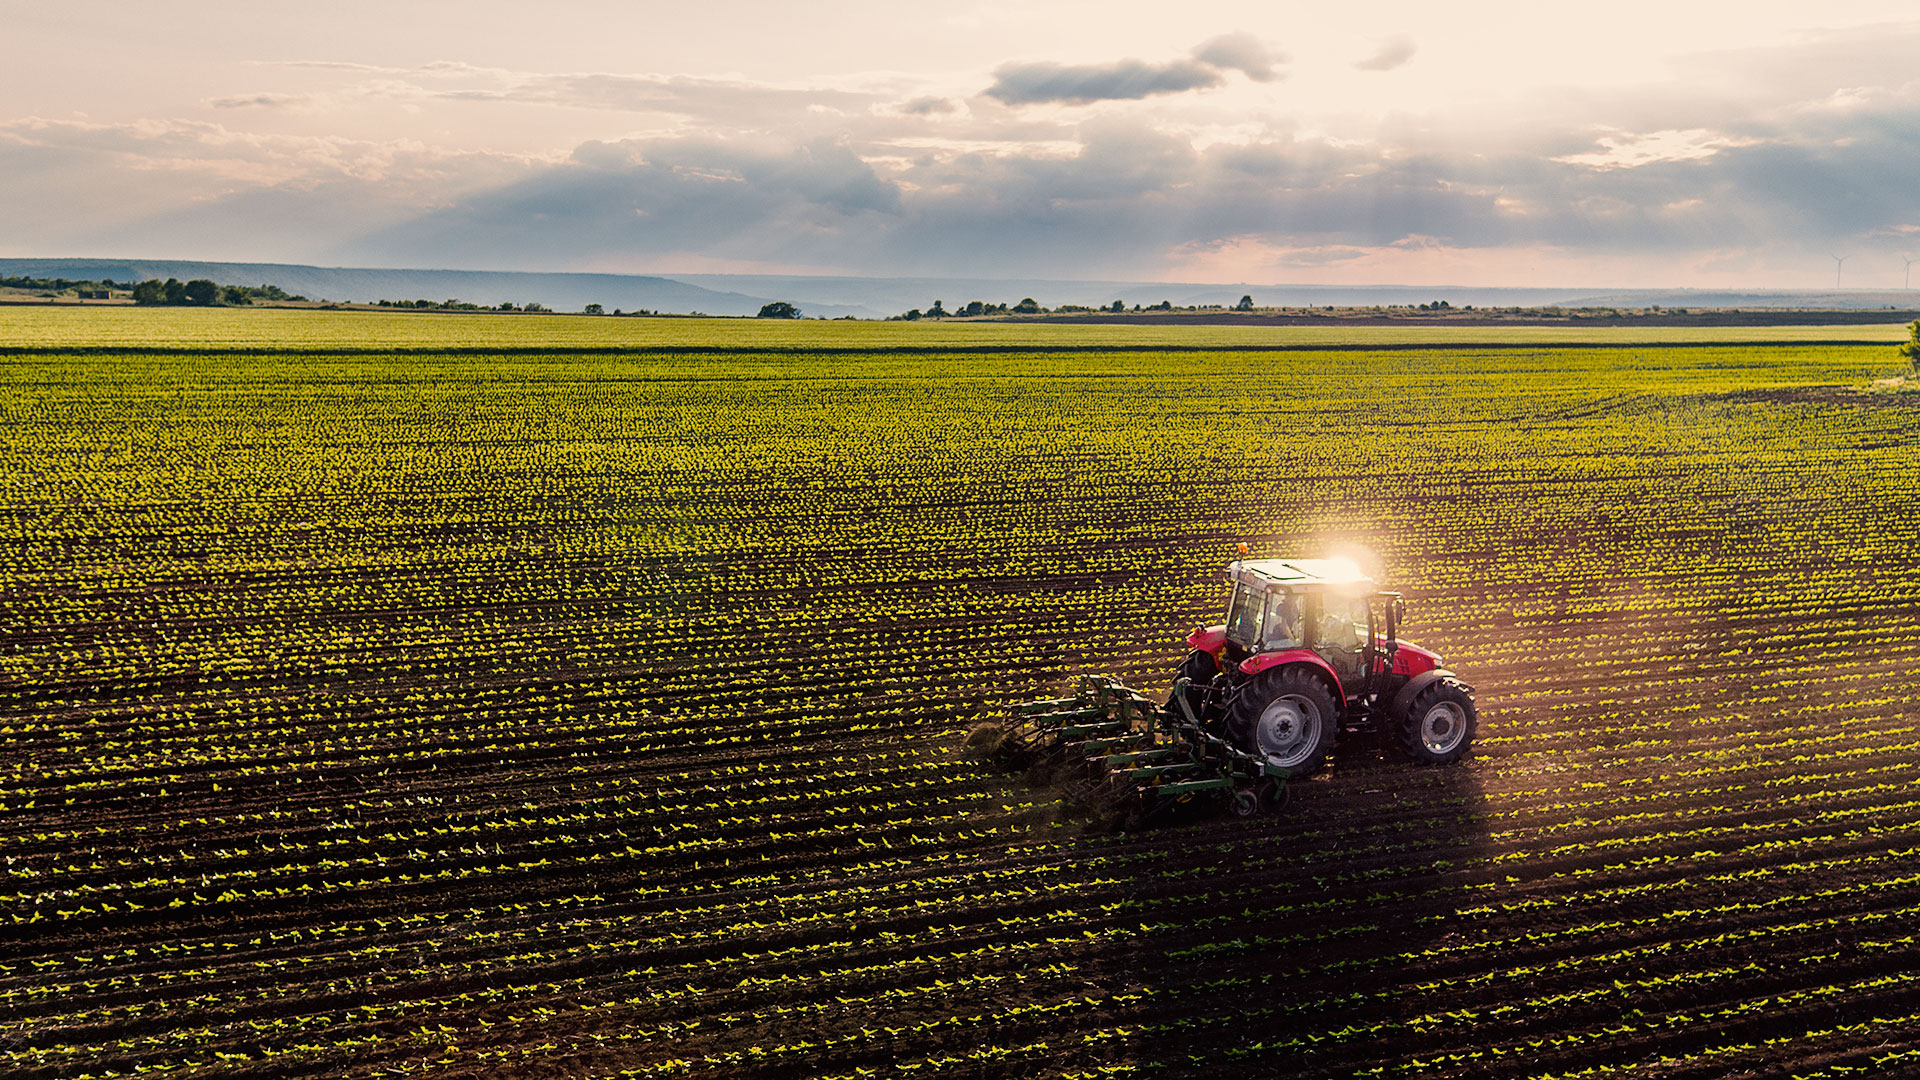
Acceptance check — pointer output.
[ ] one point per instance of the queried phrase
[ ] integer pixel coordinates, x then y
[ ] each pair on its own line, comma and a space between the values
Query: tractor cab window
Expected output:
1282, 627
1243, 616
1343, 623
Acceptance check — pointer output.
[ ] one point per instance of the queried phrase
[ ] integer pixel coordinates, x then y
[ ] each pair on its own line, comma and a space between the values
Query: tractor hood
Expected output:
1208, 638
1411, 659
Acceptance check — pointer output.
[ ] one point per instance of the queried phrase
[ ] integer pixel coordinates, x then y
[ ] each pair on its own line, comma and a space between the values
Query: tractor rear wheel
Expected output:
1198, 669
1438, 728
1286, 718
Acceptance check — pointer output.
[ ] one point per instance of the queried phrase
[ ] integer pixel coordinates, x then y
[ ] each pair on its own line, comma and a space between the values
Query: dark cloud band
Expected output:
1082, 84
1043, 82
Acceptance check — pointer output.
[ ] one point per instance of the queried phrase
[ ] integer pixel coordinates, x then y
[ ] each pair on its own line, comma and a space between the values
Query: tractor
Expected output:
1309, 650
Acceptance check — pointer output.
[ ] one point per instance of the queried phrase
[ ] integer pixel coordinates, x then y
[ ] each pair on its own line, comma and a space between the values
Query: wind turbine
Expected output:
1908, 284
1838, 262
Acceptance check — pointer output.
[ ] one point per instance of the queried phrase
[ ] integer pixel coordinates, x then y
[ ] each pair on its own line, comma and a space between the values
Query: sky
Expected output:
1630, 144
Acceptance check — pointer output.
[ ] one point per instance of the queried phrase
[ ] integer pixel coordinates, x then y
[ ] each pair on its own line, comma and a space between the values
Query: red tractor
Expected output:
1309, 648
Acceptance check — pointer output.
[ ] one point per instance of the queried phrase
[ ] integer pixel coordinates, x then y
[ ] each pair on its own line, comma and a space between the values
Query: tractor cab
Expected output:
1323, 606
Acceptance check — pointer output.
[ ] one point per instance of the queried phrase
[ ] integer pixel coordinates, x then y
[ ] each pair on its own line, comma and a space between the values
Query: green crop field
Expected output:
481, 696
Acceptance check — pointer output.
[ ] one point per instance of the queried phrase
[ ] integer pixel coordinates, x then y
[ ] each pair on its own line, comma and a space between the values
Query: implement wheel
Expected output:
1263, 798
1273, 793
1438, 728
1287, 718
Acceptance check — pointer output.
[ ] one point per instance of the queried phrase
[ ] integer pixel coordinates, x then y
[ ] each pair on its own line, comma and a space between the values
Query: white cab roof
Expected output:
1297, 573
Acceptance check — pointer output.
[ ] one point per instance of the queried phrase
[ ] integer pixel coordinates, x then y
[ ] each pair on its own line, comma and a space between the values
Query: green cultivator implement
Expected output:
1139, 758
1310, 652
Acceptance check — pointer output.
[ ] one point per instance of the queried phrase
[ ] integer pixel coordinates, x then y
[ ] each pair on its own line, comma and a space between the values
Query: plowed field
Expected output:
594, 713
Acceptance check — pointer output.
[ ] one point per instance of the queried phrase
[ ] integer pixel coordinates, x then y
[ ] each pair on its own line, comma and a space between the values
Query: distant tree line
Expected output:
429, 305
1027, 306
462, 305
974, 309
59, 284
201, 292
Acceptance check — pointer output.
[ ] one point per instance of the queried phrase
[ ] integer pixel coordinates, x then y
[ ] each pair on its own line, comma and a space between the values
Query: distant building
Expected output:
93, 294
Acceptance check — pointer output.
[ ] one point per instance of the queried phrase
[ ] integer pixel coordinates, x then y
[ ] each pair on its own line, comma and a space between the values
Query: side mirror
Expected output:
1399, 614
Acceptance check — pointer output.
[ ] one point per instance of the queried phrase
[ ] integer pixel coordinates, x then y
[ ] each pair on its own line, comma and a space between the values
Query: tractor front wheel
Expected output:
1287, 718
1438, 728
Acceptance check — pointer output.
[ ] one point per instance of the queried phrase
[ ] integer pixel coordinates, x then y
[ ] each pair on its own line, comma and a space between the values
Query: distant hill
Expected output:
561, 292
1807, 299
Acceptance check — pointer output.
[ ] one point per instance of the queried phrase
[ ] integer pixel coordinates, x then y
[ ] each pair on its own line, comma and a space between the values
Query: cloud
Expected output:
1243, 52
1393, 53
325, 65
198, 189
884, 174
261, 101
1036, 82
1622, 150
705, 101
1128, 200
1044, 82
1117, 200
928, 106
748, 104
621, 202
